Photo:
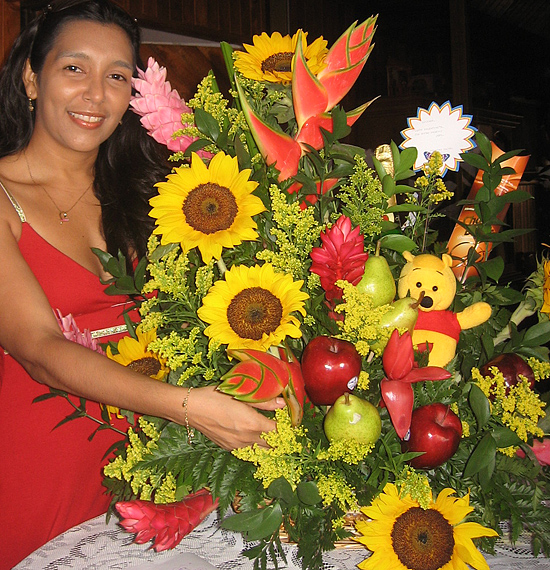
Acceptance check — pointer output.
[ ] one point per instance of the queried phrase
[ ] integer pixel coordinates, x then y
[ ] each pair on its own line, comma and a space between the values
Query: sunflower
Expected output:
404, 536
270, 58
252, 307
207, 206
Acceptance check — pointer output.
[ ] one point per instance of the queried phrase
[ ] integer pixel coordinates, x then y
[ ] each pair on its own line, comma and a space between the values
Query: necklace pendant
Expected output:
64, 217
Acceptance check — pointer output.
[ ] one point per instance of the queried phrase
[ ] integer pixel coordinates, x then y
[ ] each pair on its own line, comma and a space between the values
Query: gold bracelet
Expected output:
190, 431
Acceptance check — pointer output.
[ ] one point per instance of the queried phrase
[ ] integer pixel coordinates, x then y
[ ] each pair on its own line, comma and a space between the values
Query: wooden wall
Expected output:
9, 26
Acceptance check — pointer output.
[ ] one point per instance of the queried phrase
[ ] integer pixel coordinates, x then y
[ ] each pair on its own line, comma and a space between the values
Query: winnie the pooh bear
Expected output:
436, 325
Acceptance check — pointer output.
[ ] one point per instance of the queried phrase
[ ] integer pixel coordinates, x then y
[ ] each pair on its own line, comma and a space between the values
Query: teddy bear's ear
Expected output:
447, 260
408, 256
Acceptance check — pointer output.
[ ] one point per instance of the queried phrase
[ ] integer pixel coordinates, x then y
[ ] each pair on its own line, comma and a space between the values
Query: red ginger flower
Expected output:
341, 256
160, 107
167, 524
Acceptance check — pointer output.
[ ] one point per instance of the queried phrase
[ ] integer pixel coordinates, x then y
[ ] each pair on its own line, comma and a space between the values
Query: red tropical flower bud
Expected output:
342, 256
166, 524
399, 400
398, 357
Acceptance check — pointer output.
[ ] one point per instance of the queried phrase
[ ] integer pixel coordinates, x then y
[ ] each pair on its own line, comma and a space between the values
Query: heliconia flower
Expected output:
397, 392
73, 333
160, 106
166, 524
341, 257
258, 377
313, 98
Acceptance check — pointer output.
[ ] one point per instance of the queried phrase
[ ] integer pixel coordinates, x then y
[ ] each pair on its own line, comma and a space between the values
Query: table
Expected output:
97, 545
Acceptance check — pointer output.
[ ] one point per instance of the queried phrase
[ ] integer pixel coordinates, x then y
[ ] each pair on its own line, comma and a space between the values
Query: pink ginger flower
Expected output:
166, 524
341, 257
160, 107
73, 333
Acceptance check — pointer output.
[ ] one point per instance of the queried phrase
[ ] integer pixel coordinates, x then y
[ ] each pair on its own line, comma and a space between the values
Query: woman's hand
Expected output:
227, 422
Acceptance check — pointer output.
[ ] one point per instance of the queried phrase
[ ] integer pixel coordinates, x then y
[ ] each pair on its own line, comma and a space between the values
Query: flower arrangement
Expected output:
267, 233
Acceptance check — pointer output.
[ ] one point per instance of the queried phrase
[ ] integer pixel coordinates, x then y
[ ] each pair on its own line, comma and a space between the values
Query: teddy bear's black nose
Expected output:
427, 302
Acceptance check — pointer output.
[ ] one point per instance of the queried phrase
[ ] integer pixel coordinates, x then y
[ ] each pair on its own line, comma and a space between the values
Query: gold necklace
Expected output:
63, 214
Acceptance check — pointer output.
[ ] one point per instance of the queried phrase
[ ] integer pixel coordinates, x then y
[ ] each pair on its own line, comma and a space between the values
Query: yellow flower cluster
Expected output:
209, 98
179, 350
282, 458
363, 381
142, 481
541, 370
334, 488
518, 407
361, 325
416, 486
295, 232
346, 450
365, 202
169, 273
431, 185
204, 279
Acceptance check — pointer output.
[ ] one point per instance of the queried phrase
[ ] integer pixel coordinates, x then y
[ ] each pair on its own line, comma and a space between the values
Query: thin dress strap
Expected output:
14, 203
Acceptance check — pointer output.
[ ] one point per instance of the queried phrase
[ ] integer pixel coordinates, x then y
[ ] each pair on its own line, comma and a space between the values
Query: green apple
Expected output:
351, 417
377, 281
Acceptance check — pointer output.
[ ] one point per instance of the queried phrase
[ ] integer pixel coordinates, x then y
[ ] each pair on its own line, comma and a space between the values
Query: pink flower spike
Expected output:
166, 524
341, 256
160, 107
73, 333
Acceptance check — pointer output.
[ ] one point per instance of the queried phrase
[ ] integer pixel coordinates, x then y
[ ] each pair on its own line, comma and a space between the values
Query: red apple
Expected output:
330, 367
436, 430
511, 365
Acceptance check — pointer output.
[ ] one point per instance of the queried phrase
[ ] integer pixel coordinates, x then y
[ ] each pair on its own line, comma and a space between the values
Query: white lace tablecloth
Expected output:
95, 545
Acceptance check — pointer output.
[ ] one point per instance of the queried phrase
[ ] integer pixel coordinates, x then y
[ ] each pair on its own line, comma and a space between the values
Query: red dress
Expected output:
50, 479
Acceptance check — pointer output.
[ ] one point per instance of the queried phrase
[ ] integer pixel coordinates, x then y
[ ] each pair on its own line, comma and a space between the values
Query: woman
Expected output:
76, 171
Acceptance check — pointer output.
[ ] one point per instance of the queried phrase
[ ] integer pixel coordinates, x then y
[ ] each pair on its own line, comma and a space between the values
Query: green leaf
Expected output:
206, 124
505, 437
199, 144
308, 492
272, 518
482, 455
396, 242
484, 145
480, 405
408, 158
475, 160
280, 488
537, 335
492, 268
388, 186
243, 522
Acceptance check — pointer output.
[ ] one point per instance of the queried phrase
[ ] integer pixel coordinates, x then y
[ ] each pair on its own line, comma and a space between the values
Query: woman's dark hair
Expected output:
128, 164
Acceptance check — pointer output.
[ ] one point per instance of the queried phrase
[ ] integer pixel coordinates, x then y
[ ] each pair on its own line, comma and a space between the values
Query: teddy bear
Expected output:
437, 326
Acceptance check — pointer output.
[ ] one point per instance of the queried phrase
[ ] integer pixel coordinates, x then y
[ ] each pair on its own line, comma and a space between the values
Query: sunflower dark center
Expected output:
423, 539
253, 312
149, 366
280, 61
210, 208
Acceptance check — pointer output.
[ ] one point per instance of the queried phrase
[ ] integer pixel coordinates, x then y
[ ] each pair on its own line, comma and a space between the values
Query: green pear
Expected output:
403, 314
377, 281
351, 417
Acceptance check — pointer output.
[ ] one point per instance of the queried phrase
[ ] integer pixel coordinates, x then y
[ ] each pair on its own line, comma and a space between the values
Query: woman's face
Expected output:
84, 88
